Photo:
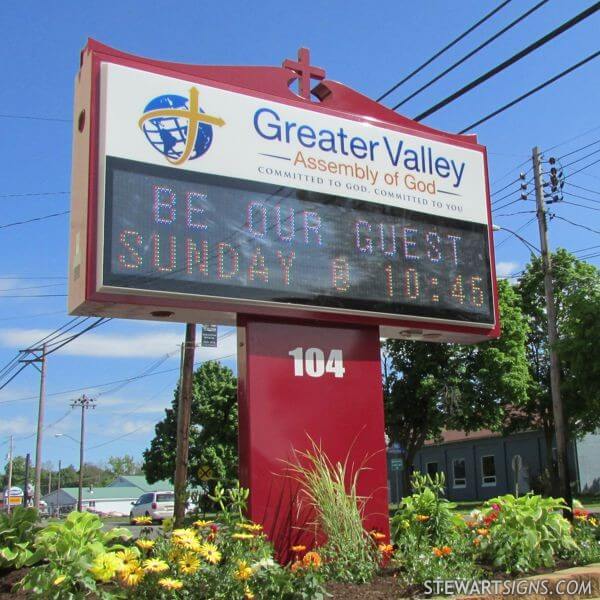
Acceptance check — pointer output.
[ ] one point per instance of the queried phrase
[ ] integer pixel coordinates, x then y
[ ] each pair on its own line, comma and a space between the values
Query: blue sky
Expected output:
368, 46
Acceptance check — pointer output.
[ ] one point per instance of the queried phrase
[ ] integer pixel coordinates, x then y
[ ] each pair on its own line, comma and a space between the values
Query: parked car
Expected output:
158, 505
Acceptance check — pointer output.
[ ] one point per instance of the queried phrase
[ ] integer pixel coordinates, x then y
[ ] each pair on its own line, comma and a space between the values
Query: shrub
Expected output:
430, 537
17, 533
350, 554
586, 533
521, 534
426, 514
71, 548
208, 561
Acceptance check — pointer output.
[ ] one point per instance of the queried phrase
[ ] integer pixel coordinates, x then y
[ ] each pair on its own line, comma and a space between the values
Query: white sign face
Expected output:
145, 118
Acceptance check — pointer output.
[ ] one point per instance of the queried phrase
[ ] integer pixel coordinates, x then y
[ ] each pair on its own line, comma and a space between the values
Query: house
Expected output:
106, 500
116, 497
139, 481
483, 464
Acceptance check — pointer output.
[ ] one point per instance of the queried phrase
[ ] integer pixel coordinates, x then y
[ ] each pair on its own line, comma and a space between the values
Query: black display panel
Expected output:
176, 231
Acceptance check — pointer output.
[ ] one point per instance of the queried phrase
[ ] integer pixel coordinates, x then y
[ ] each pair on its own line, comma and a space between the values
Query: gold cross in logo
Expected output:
194, 118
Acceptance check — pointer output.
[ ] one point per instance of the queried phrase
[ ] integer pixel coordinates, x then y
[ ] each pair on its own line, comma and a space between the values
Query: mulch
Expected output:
8, 580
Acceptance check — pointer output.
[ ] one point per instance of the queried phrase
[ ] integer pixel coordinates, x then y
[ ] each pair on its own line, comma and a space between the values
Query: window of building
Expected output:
459, 473
431, 468
488, 470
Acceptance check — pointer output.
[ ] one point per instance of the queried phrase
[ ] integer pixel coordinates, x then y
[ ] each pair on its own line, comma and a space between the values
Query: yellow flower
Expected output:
189, 564
131, 576
170, 584
312, 559
483, 531
593, 522
202, 524
155, 565
248, 595
142, 520
144, 544
244, 571
250, 527
299, 548
242, 536
59, 579
422, 518
129, 556
105, 566
211, 553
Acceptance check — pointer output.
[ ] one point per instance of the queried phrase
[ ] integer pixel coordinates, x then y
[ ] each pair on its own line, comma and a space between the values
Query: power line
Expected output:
582, 168
58, 214
555, 216
507, 204
33, 194
48, 314
32, 287
470, 54
34, 296
579, 159
577, 150
501, 242
107, 383
33, 118
510, 61
580, 187
572, 139
594, 200
531, 92
28, 277
580, 205
444, 49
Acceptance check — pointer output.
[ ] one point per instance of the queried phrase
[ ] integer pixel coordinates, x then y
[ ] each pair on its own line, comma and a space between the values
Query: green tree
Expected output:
429, 387
577, 297
123, 465
213, 429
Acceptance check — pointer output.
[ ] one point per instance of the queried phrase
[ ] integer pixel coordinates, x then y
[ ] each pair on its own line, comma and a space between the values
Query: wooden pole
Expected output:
557, 405
184, 413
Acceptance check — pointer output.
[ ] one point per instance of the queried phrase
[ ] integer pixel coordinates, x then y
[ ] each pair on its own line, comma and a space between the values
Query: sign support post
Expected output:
300, 384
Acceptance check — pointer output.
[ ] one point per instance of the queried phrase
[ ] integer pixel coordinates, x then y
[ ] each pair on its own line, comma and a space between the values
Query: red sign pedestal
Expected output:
299, 383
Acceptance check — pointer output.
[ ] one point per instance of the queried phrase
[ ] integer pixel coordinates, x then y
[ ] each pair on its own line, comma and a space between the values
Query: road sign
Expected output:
396, 464
209, 336
204, 200
205, 473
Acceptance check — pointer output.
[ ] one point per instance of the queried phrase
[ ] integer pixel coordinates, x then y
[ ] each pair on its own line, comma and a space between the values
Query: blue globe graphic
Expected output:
168, 135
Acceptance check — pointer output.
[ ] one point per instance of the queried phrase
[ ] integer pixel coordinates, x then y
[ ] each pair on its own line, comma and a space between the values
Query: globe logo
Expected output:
177, 127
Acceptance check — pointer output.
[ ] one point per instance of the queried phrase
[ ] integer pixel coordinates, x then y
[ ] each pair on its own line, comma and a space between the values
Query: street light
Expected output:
80, 491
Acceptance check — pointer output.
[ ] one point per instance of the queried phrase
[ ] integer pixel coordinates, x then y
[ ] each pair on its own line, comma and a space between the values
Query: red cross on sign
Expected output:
304, 71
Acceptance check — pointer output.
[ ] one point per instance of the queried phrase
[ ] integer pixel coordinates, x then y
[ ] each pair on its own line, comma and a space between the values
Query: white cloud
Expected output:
504, 269
16, 426
116, 345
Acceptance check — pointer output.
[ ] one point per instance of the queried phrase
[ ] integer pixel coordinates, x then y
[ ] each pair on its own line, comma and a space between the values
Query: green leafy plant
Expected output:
69, 549
17, 533
521, 534
330, 490
426, 514
586, 533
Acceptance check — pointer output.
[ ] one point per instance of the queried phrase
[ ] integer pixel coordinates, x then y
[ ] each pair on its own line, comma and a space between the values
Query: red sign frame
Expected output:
270, 83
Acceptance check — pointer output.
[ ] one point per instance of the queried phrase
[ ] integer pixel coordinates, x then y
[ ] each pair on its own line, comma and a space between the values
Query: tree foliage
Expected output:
213, 430
577, 297
430, 387
124, 465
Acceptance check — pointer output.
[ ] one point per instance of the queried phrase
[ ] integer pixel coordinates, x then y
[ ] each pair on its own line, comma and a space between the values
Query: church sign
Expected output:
199, 196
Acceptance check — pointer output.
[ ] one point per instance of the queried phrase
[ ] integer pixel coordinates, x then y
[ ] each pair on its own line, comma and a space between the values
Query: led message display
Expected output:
169, 230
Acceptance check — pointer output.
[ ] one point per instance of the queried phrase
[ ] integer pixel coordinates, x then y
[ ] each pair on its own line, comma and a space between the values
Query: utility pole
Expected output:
39, 356
58, 489
10, 469
26, 489
84, 402
184, 413
557, 406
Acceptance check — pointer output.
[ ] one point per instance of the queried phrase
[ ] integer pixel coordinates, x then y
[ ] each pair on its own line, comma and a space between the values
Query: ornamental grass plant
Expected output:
331, 491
